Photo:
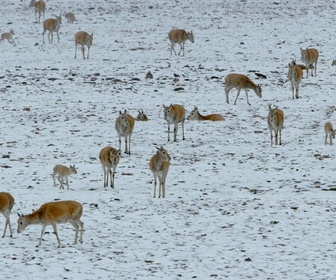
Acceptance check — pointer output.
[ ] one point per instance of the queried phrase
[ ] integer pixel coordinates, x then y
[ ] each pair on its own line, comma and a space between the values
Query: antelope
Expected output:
141, 116
52, 25
109, 158
309, 57
159, 165
39, 7
6, 205
240, 82
84, 39
124, 126
329, 131
174, 114
63, 172
333, 62
53, 213
295, 74
179, 36
8, 36
196, 116
70, 17
275, 123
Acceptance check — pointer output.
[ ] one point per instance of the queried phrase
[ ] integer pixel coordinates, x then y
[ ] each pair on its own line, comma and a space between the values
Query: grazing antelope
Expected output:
240, 82
52, 25
84, 39
141, 116
333, 62
159, 165
53, 213
63, 172
275, 123
329, 132
109, 158
179, 36
309, 57
196, 116
39, 7
6, 205
295, 74
174, 114
8, 36
124, 126
70, 17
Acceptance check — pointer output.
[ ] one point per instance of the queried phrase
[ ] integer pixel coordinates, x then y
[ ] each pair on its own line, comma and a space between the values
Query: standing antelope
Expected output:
63, 172
179, 36
329, 132
53, 213
309, 57
159, 165
275, 123
295, 76
84, 39
52, 25
240, 82
141, 116
8, 36
109, 158
39, 7
6, 205
124, 126
70, 17
196, 116
174, 114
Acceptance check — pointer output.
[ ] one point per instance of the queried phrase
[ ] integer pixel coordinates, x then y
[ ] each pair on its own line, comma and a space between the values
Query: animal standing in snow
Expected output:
295, 76
310, 57
196, 116
179, 36
240, 82
329, 132
8, 36
63, 172
84, 39
39, 8
6, 206
275, 123
174, 114
109, 159
124, 126
70, 17
53, 213
52, 25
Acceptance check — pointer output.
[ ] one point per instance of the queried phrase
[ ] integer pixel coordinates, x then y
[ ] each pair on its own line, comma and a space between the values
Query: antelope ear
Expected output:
269, 106
20, 215
120, 113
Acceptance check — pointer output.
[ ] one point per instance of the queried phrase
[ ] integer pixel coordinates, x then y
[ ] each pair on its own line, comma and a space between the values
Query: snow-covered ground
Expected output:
235, 207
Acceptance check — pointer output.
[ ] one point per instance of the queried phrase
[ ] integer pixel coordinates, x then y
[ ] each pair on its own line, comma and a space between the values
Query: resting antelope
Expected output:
174, 114
63, 172
52, 25
53, 213
70, 17
333, 62
159, 165
124, 126
39, 7
295, 76
6, 206
84, 39
8, 36
240, 82
310, 57
329, 132
275, 123
109, 158
179, 36
141, 116
196, 116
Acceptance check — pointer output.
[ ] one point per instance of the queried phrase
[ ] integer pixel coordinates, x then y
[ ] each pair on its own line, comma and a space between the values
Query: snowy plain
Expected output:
235, 207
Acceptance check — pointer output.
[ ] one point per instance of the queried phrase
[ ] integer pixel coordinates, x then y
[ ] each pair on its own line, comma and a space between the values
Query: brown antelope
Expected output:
329, 132
275, 123
174, 114
333, 62
84, 39
8, 36
109, 158
124, 126
39, 7
53, 213
159, 165
6, 205
179, 36
63, 172
141, 116
52, 25
196, 116
70, 17
240, 82
295, 74
310, 57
